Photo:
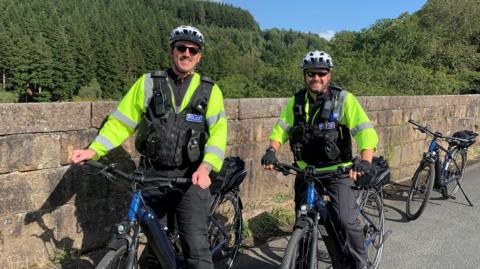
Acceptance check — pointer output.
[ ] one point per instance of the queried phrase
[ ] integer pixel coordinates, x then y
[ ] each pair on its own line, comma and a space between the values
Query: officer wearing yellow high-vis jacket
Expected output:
181, 128
319, 121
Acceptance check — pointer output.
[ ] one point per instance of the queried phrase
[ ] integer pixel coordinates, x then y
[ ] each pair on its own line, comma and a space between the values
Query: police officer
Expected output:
181, 130
319, 121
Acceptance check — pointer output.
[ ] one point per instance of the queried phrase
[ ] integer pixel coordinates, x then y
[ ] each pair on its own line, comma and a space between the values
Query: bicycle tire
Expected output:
227, 213
114, 259
454, 173
296, 253
421, 186
372, 209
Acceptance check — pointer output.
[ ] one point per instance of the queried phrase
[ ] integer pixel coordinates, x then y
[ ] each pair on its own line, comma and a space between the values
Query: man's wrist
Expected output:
270, 148
207, 166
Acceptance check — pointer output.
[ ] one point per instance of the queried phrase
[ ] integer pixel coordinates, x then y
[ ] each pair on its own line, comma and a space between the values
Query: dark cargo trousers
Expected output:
191, 207
344, 208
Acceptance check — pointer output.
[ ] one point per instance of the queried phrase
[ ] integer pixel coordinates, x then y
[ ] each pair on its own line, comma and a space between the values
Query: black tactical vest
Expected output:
168, 139
322, 141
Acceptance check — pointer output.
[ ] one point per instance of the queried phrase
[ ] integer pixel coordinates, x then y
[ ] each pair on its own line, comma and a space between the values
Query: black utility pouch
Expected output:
193, 145
143, 130
332, 151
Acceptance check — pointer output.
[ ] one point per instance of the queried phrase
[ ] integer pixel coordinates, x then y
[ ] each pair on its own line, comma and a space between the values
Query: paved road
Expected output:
447, 234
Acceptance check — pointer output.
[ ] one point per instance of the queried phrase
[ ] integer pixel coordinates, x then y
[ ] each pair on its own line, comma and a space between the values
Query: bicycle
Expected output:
302, 247
225, 223
446, 175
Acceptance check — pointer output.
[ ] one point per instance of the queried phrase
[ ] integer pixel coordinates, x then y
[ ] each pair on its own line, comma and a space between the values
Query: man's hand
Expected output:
201, 177
81, 155
269, 159
361, 169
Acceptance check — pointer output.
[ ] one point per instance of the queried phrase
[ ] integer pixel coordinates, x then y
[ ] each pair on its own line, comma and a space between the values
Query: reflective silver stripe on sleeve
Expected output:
215, 118
123, 119
283, 125
215, 150
340, 108
148, 88
361, 127
105, 142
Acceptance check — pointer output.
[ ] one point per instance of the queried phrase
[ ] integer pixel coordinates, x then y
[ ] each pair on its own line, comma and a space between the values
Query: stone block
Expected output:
407, 172
74, 140
473, 111
411, 152
393, 155
252, 130
100, 112
390, 117
25, 246
400, 134
383, 136
249, 151
24, 192
29, 152
44, 117
260, 107
261, 183
231, 108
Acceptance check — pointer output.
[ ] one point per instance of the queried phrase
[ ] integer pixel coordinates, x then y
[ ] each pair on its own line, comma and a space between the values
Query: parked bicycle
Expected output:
225, 226
446, 176
315, 218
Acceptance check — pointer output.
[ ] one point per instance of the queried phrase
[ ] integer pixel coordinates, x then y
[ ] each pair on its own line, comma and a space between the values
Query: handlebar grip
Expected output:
96, 164
100, 165
174, 180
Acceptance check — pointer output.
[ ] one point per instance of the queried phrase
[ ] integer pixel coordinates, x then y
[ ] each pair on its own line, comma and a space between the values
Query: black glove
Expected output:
269, 157
366, 168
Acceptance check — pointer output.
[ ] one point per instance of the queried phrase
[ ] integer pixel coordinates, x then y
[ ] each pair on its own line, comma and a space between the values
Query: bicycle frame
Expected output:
155, 231
441, 167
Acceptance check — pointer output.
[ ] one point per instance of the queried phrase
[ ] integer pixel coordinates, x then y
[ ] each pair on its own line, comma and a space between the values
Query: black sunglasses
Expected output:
312, 74
182, 48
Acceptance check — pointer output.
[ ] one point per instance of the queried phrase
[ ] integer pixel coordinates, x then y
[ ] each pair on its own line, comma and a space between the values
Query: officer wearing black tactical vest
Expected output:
181, 130
319, 121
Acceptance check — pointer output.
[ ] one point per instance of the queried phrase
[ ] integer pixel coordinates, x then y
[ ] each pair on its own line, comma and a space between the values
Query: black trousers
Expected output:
191, 207
343, 209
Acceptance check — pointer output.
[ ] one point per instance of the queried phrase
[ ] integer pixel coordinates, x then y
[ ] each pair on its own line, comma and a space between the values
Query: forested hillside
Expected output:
95, 49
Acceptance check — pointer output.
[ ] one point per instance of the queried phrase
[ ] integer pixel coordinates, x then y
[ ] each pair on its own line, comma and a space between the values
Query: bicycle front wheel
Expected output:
114, 259
298, 249
372, 218
225, 230
420, 190
454, 174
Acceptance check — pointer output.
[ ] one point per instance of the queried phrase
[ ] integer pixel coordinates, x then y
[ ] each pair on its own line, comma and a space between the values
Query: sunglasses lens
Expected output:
313, 74
182, 48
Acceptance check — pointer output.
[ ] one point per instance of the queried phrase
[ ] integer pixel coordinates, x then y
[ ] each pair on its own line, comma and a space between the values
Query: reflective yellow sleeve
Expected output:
217, 127
284, 123
121, 122
360, 126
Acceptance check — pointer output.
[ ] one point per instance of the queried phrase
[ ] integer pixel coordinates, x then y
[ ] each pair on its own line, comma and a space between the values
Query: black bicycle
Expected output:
315, 218
225, 223
446, 175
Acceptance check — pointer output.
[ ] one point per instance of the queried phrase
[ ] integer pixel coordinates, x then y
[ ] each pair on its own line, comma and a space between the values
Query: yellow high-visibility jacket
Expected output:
123, 121
350, 114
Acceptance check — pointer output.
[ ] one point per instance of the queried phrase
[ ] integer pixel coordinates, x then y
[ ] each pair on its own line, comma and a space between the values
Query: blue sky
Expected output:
324, 17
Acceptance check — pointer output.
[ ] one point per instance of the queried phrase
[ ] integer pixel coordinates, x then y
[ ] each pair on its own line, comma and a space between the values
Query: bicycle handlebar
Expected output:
424, 129
137, 176
309, 172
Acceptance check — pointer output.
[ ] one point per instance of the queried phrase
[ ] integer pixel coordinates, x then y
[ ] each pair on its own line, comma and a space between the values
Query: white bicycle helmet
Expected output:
316, 58
186, 32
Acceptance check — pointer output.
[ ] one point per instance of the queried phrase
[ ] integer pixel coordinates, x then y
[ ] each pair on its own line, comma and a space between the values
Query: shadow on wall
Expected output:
98, 204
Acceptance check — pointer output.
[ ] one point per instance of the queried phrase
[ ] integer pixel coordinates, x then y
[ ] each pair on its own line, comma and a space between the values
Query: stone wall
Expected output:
48, 207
